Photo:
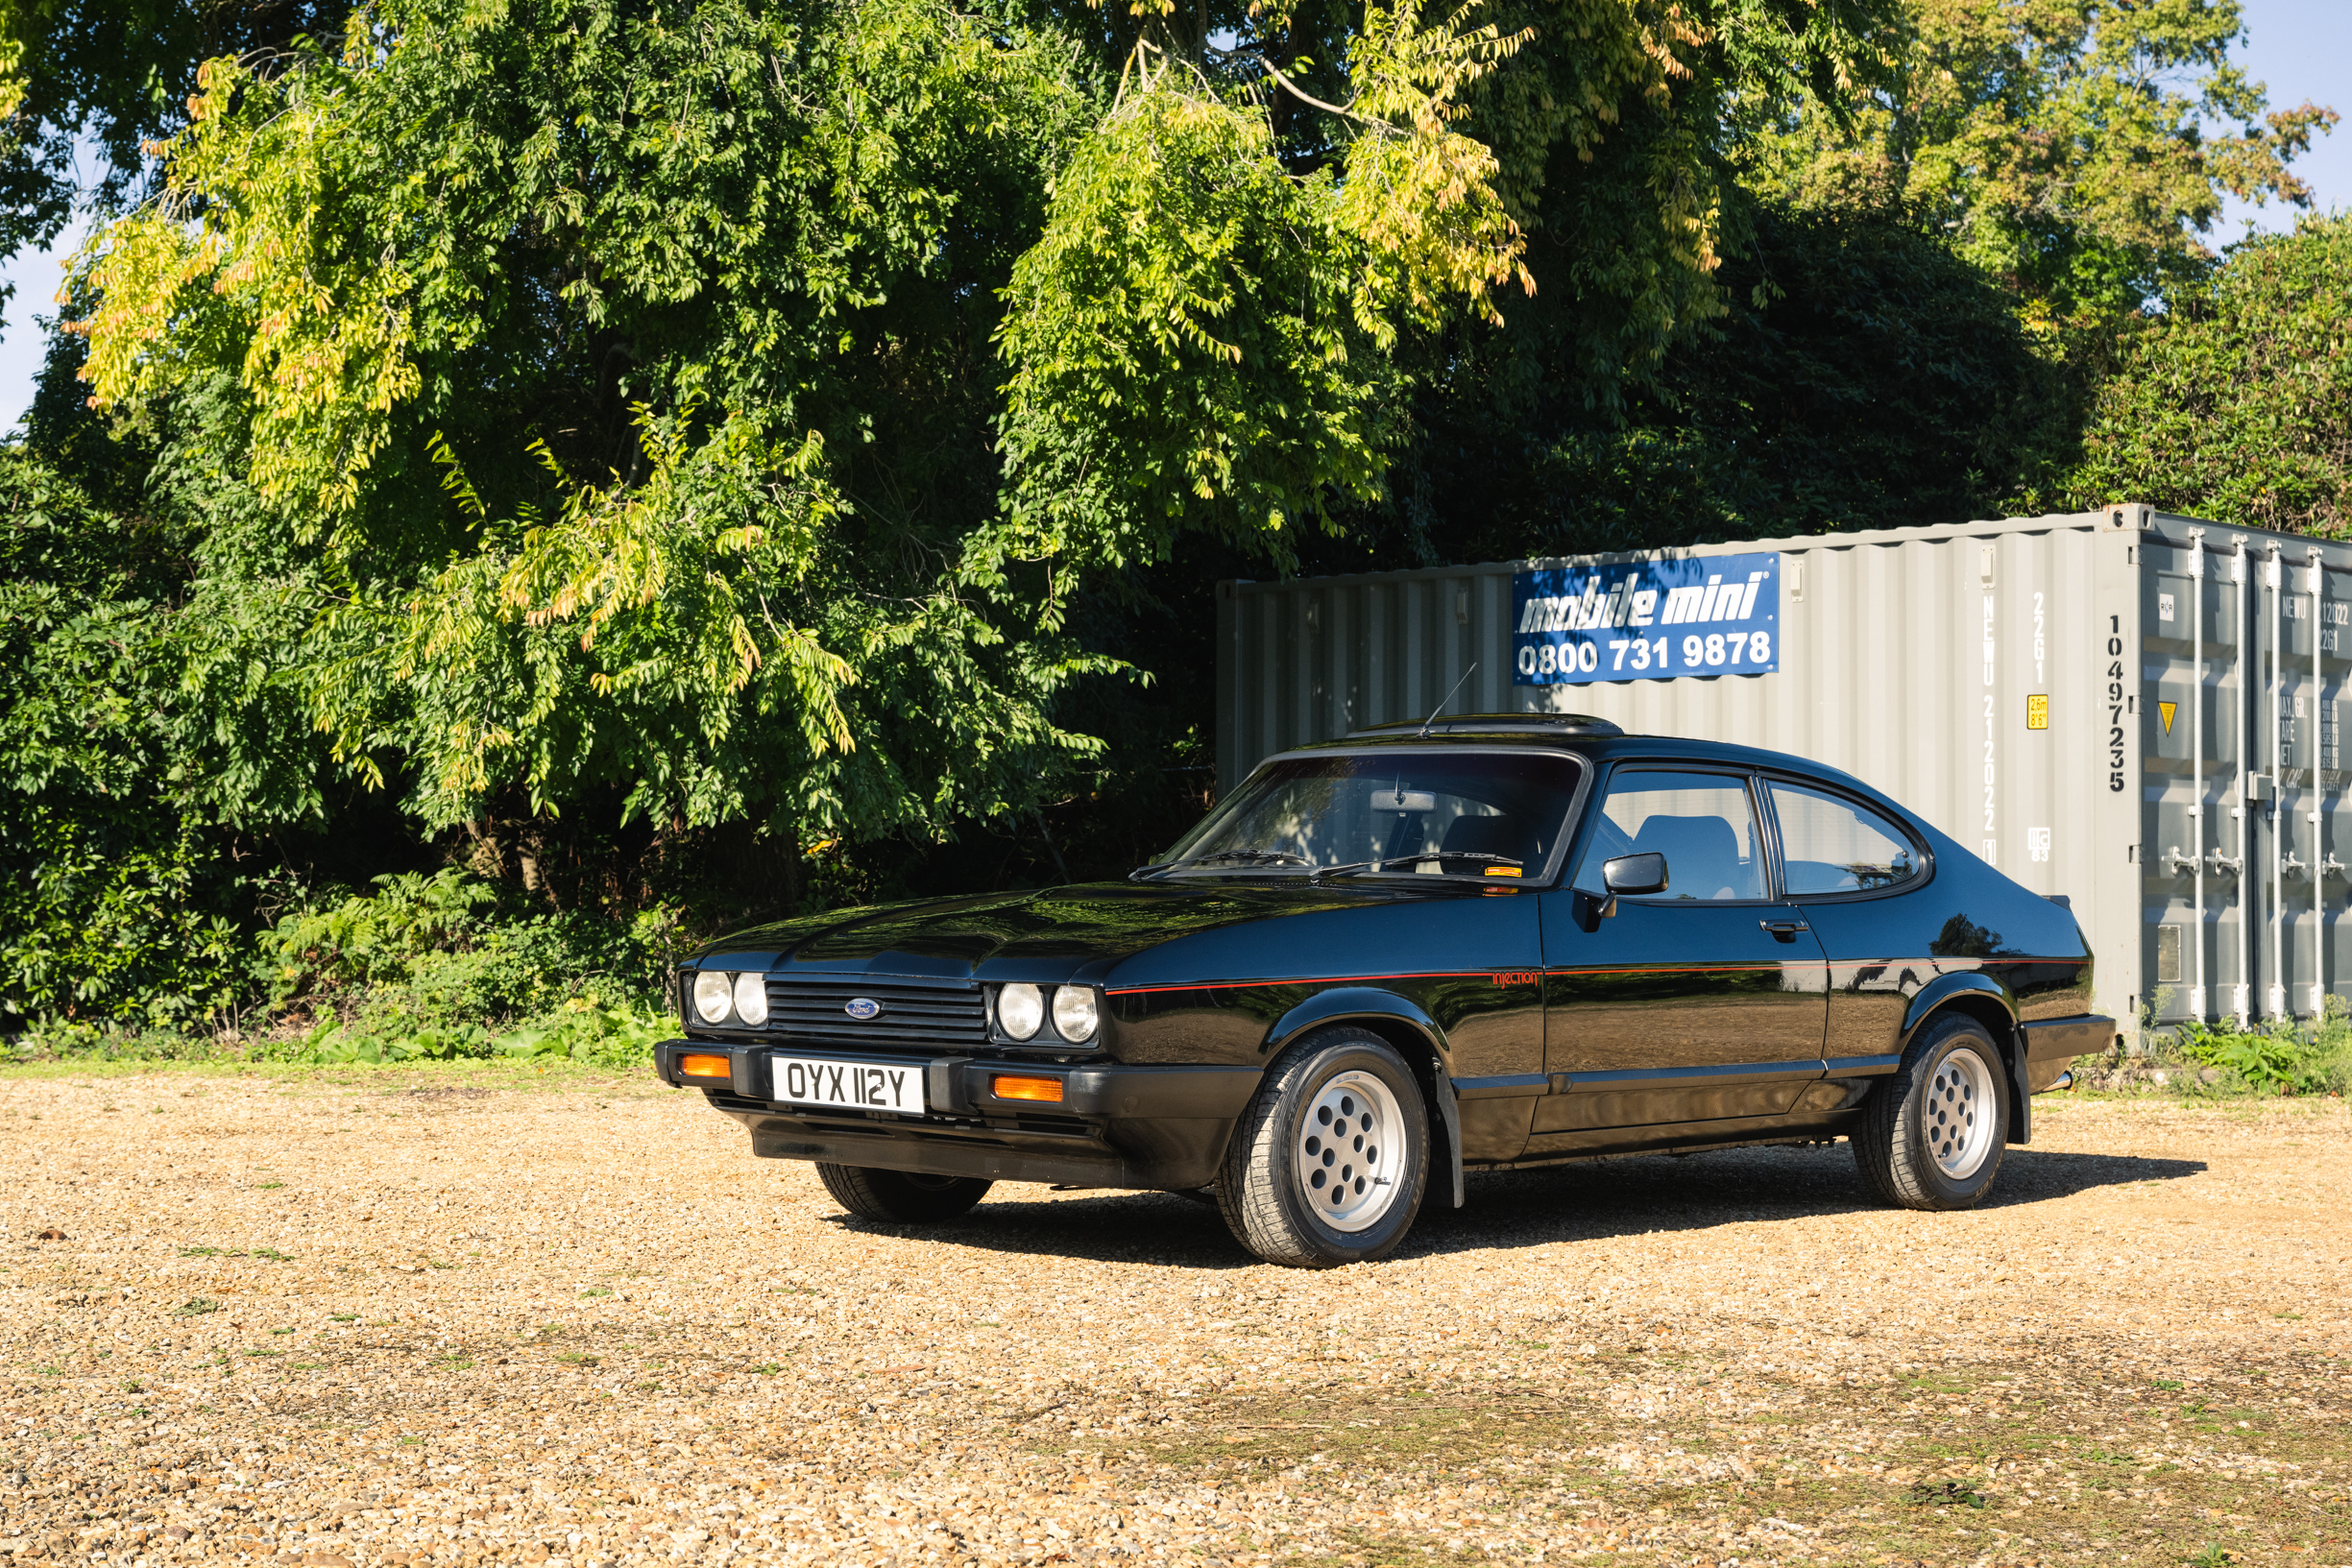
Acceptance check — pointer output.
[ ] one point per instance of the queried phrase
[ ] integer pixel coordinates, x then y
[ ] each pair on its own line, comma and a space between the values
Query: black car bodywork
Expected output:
1545, 1023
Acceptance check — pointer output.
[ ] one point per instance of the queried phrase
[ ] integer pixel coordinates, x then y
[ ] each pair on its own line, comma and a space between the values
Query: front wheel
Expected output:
1932, 1135
1328, 1164
900, 1197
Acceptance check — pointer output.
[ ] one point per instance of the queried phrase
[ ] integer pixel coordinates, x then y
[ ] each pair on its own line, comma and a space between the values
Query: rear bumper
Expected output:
2052, 1045
1162, 1128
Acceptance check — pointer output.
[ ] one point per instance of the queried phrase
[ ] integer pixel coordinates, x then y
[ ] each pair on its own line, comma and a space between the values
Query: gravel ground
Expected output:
449, 1317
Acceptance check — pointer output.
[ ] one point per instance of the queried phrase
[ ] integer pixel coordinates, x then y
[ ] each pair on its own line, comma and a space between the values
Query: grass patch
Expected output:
1732, 1463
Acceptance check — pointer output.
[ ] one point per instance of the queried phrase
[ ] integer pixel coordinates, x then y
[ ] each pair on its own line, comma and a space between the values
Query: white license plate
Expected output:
864, 1086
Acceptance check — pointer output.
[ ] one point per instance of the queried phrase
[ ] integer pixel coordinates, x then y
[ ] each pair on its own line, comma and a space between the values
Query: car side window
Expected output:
1831, 845
1701, 822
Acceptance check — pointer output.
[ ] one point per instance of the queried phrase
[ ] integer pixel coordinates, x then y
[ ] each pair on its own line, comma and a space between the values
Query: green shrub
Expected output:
427, 955
360, 941
69, 1040
335, 1044
589, 1033
2287, 1056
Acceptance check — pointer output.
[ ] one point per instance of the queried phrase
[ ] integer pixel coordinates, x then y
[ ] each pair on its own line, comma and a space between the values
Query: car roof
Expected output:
1594, 738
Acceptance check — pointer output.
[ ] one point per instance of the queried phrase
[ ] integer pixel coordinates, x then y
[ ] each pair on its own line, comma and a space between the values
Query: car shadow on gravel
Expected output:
1591, 1200
1109, 1227
1642, 1193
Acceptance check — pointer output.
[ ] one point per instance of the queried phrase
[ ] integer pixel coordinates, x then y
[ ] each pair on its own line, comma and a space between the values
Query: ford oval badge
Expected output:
861, 1008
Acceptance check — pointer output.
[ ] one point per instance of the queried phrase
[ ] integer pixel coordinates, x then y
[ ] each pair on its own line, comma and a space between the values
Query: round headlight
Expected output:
751, 998
712, 988
1074, 1012
1018, 1010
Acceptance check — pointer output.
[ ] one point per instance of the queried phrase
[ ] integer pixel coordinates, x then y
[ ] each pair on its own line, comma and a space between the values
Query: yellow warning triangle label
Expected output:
2168, 709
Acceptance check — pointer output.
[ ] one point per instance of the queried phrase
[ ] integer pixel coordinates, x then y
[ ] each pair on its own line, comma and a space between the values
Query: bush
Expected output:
587, 1034
68, 1040
431, 956
2286, 1057
581, 1032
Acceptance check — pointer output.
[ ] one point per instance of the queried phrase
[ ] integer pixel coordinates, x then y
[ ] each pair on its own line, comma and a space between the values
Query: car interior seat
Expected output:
1702, 856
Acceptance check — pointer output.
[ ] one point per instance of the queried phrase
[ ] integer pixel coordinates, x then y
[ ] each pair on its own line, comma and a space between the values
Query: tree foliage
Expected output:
1862, 377
624, 380
103, 871
2076, 150
2236, 402
1199, 336
99, 80
722, 406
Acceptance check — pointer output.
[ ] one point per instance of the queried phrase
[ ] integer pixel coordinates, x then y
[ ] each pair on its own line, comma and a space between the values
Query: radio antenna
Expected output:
1442, 701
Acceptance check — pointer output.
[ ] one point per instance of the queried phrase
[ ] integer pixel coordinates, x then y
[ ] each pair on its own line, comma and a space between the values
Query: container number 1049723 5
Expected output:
2115, 703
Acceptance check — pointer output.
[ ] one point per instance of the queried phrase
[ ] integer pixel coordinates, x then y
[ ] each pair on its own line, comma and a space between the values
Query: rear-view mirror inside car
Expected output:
1404, 800
1635, 874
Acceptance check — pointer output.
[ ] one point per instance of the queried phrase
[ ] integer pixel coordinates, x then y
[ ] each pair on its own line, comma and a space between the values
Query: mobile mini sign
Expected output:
1648, 621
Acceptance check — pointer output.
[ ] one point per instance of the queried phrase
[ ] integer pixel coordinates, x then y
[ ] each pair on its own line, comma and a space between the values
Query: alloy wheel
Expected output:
1351, 1147
1957, 1117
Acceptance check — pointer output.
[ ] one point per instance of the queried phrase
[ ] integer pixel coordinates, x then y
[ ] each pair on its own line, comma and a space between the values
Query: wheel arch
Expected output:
1985, 1002
1408, 1027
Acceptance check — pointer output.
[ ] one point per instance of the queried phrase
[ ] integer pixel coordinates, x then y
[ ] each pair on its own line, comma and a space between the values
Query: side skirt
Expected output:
1685, 1138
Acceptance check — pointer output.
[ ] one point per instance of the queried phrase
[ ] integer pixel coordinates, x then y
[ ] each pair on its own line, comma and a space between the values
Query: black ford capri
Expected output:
1486, 943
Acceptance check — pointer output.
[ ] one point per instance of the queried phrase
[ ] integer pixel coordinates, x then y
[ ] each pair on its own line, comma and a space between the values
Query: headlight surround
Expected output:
713, 994
1076, 1013
751, 998
1020, 1010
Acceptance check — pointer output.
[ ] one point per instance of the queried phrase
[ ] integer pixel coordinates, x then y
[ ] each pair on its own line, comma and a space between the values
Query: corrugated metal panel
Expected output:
2007, 680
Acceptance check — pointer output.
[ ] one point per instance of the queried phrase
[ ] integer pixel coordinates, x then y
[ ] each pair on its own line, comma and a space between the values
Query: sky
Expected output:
2300, 49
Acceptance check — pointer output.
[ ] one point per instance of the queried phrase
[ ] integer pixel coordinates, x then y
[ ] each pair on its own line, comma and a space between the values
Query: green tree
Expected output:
101, 79
1861, 376
2235, 404
721, 408
2077, 149
105, 873
607, 387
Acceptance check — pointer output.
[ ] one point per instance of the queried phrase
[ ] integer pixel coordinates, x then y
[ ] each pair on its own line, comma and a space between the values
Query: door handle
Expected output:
1784, 930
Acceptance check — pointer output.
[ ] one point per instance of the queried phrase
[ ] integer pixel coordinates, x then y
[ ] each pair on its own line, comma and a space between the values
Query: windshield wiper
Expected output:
1418, 860
1277, 857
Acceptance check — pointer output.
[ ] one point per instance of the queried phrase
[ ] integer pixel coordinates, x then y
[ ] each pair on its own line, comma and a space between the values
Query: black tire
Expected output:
1932, 1135
898, 1197
1321, 1209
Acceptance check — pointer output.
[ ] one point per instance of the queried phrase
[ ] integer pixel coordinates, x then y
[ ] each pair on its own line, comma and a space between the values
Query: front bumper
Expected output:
1158, 1127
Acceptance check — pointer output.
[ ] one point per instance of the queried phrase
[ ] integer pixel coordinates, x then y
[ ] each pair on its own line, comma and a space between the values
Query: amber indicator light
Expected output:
707, 1067
1048, 1089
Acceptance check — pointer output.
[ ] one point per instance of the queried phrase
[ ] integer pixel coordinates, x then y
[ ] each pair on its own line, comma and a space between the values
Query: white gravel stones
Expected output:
449, 1317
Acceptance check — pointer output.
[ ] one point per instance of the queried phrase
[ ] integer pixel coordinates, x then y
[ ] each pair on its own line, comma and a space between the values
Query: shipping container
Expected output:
2136, 710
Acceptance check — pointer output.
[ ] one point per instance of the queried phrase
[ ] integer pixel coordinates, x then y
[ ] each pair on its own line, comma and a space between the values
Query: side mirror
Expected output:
1635, 874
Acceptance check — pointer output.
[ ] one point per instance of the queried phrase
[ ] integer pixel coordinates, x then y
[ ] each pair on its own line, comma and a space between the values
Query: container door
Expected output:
2334, 856
2199, 858
2305, 878
1702, 1004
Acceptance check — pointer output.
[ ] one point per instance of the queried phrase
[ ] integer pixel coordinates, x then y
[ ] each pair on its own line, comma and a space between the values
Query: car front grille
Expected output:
947, 1013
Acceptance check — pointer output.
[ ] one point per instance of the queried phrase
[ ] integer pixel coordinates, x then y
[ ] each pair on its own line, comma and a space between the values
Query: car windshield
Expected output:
1421, 813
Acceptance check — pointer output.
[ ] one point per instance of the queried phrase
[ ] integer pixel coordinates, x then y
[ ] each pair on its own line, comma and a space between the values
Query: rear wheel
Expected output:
1932, 1135
1328, 1163
900, 1197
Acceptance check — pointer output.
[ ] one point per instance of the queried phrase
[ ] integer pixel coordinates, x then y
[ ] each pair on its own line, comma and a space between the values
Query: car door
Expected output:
1704, 1003
1849, 868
